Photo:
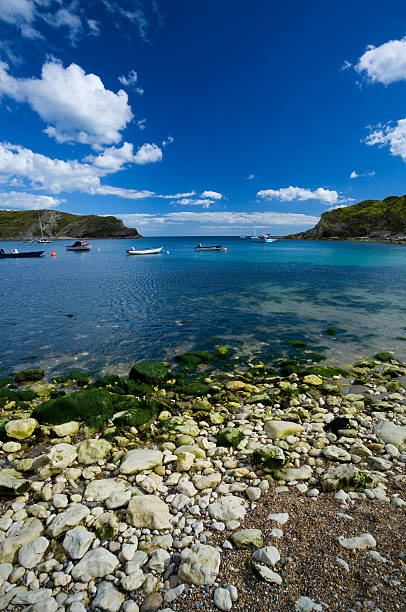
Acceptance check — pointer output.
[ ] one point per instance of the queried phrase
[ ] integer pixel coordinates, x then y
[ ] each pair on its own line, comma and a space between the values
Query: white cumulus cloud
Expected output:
114, 158
128, 80
287, 194
392, 136
384, 64
22, 200
213, 195
76, 105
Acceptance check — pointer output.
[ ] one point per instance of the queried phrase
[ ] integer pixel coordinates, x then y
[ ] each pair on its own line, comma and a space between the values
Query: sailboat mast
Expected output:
40, 225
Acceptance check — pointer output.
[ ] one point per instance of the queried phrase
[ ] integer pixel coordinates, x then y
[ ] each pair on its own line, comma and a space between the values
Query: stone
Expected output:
336, 453
312, 379
11, 447
228, 508
267, 574
56, 461
390, 433
362, 542
247, 538
229, 436
174, 593
60, 501
118, 500
134, 580
11, 486
270, 458
152, 602
108, 598
280, 517
30, 375
100, 490
148, 511
235, 385
347, 478
90, 451
222, 599
207, 482
199, 565
66, 429
96, 563
268, 555
77, 542
30, 554
159, 560
305, 604
106, 526
31, 529
278, 430
303, 473
20, 428
67, 519
139, 460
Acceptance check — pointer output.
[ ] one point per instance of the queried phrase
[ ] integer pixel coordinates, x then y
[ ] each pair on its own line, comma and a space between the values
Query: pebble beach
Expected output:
192, 485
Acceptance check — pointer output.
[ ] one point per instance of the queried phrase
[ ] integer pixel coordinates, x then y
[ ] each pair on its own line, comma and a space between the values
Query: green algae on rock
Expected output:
29, 375
270, 458
150, 372
229, 436
93, 406
195, 357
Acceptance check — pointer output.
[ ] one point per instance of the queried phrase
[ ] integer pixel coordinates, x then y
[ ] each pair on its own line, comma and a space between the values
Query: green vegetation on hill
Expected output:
370, 218
23, 225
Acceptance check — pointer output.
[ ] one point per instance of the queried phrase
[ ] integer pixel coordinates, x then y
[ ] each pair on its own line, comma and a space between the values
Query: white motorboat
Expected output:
79, 246
134, 251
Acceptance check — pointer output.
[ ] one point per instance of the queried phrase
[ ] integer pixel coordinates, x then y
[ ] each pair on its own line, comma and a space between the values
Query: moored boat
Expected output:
16, 255
201, 247
134, 251
79, 246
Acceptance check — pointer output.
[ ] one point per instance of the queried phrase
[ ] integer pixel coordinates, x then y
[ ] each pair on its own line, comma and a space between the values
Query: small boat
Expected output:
79, 246
134, 251
16, 255
200, 247
263, 238
41, 240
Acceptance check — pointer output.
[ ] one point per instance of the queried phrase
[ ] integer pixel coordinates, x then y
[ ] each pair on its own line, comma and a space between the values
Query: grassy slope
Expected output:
388, 215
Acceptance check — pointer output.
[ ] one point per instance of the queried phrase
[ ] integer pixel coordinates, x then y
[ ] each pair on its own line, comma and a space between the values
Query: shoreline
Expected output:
202, 483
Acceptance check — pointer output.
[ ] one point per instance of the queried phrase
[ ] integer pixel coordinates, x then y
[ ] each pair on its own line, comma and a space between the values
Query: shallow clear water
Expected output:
254, 297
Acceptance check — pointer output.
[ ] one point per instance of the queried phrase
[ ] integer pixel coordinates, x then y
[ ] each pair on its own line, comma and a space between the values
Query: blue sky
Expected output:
201, 117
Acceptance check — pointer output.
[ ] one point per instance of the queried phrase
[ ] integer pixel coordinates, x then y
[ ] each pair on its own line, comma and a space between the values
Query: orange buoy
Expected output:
225, 250
53, 254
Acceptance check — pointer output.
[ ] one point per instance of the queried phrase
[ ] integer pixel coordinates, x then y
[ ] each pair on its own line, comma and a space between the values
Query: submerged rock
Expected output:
29, 375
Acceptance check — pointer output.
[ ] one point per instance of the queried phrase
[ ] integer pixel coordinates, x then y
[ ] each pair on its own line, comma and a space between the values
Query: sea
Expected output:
103, 310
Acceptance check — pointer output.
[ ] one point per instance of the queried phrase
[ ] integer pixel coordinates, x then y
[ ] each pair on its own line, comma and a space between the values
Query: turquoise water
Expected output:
254, 297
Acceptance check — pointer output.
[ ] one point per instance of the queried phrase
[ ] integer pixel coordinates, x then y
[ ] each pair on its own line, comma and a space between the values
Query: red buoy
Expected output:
225, 250
53, 254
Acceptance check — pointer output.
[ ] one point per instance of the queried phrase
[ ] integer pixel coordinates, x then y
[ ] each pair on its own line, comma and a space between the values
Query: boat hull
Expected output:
21, 255
209, 248
144, 251
78, 249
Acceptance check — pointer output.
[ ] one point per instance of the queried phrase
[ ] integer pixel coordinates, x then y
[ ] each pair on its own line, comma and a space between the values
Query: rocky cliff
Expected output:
368, 220
24, 225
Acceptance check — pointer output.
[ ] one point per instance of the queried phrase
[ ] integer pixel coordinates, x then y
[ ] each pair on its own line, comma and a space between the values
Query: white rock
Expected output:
60, 501
222, 599
99, 490
90, 451
96, 563
31, 529
139, 460
108, 598
159, 560
118, 500
67, 519
228, 508
390, 433
174, 593
267, 574
148, 511
77, 542
280, 429
305, 604
199, 565
280, 517
362, 542
134, 580
30, 554
207, 482
336, 453
268, 555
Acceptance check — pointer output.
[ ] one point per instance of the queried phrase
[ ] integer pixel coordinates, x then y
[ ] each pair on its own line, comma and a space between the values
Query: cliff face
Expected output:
25, 225
379, 219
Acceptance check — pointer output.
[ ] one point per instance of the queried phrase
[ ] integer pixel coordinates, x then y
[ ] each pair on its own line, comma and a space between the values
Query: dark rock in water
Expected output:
384, 356
136, 412
327, 371
338, 423
297, 343
29, 375
105, 381
150, 372
82, 378
222, 352
194, 389
195, 357
93, 406
330, 331
5, 381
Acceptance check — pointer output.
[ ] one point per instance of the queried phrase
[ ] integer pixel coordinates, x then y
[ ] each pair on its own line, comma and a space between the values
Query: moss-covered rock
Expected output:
229, 436
297, 343
222, 352
384, 356
330, 331
29, 375
82, 379
270, 458
106, 381
327, 371
150, 372
93, 406
247, 539
139, 413
192, 389
348, 478
4, 381
194, 358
